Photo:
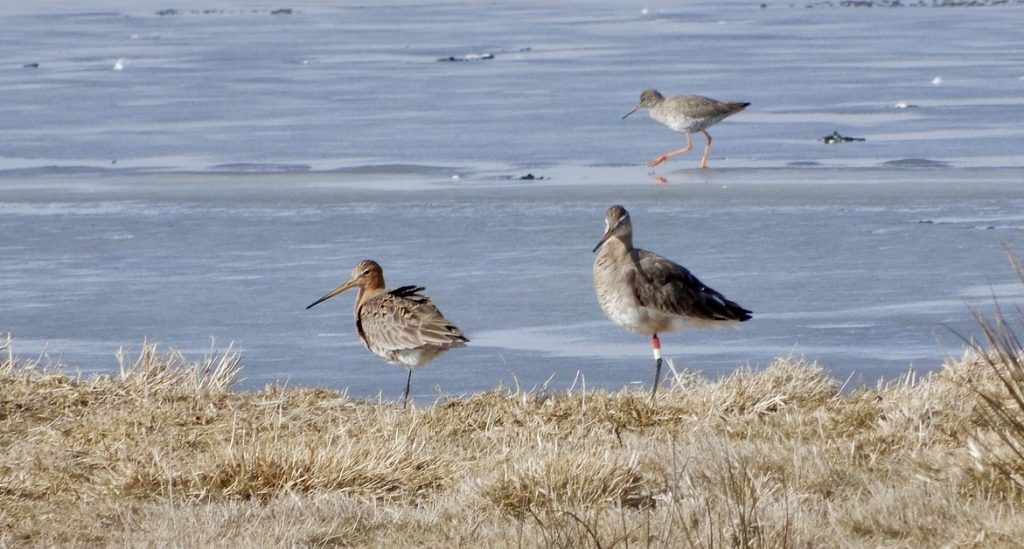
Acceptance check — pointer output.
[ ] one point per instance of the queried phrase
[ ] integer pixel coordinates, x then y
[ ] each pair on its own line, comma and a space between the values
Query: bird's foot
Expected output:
655, 161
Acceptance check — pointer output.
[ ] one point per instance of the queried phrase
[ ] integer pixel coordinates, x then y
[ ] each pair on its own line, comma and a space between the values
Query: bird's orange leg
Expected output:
655, 161
707, 149
656, 347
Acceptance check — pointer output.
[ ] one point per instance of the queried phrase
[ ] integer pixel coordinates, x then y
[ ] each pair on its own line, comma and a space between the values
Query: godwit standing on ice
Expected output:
648, 294
401, 326
687, 114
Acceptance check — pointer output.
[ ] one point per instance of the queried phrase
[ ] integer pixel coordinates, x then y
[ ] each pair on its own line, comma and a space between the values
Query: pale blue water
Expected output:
242, 162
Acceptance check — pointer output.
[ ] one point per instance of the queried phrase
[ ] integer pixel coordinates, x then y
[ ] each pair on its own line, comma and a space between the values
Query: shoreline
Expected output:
862, 271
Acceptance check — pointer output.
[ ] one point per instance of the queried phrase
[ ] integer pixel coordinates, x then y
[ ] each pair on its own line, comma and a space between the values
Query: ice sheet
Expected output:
241, 162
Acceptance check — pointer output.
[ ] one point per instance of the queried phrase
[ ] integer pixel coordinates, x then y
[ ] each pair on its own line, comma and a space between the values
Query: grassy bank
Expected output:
164, 453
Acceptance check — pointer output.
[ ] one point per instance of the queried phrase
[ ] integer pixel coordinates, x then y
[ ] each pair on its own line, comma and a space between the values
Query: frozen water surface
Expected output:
242, 162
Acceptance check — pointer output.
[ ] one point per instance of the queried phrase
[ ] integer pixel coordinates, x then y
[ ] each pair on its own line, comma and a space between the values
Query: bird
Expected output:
402, 326
687, 114
648, 294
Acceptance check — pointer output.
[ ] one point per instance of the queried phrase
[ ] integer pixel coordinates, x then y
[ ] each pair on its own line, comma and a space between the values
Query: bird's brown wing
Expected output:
670, 287
404, 319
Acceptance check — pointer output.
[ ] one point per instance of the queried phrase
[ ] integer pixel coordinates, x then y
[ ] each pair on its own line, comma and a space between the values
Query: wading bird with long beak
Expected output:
686, 114
401, 326
648, 294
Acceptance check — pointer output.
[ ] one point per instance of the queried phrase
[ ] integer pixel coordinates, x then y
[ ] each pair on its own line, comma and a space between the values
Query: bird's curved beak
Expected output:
636, 108
348, 284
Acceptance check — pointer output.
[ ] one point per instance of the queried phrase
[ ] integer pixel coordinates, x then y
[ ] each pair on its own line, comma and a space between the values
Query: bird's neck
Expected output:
618, 245
366, 293
661, 113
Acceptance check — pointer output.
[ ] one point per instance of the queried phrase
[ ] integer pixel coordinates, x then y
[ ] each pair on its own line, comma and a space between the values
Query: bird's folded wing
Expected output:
397, 323
704, 107
672, 288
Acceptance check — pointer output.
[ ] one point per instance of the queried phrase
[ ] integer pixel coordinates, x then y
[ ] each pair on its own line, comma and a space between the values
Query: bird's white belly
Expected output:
646, 321
412, 358
681, 124
686, 124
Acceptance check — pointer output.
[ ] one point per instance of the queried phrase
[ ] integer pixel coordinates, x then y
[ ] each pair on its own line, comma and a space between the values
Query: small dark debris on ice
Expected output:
172, 12
530, 177
467, 57
836, 138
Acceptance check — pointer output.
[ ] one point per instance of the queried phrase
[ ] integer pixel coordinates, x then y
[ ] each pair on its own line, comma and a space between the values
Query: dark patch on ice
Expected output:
527, 177
803, 163
172, 12
486, 56
56, 170
30, 66
974, 227
257, 167
89, 14
915, 163
836, 138
467, 57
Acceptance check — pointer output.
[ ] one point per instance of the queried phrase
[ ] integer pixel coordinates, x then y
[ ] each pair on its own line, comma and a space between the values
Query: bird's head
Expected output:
616, 224
648, 99
367, 275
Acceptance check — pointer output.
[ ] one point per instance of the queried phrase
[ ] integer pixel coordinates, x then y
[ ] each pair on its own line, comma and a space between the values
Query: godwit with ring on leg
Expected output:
401, 326
687, 114
648, 294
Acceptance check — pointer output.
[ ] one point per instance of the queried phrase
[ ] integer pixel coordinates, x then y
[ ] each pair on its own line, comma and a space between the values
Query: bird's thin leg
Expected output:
656, 347
405, 396
655, 161
707, 149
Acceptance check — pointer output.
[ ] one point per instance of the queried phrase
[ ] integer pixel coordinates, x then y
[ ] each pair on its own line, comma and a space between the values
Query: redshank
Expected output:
687, 114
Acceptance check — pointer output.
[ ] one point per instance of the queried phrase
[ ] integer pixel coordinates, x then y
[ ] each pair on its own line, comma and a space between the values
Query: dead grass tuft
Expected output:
552, 477
164, 453
996, 377
170, 373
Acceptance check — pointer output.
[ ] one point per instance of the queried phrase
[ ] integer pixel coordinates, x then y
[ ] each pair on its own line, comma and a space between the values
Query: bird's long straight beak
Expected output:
609, 232
632, 111
604, 239
348, 284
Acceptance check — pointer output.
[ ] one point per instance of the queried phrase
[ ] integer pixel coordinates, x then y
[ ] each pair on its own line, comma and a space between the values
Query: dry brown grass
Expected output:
163, 453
